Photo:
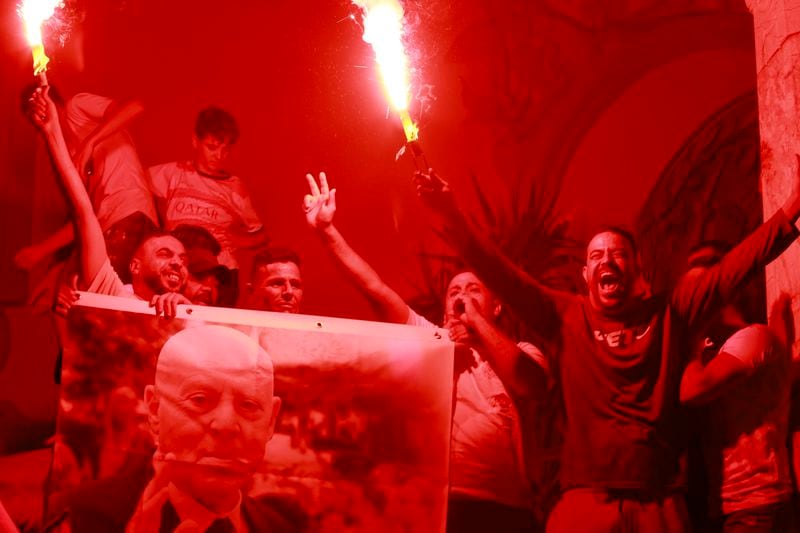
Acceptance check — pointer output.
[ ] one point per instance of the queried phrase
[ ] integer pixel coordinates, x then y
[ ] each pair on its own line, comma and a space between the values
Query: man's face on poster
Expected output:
212, 411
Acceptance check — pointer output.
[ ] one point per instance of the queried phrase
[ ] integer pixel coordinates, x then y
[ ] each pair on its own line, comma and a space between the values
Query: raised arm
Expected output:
695, 298
524, 372
30, 256
320, 207
93, 252
116, 117
538, 306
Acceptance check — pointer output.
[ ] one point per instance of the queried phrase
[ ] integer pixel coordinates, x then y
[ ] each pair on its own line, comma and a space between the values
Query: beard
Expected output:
157, 283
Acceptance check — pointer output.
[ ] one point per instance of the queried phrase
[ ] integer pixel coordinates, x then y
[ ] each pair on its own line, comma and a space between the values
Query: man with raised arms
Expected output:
489, 488
618, 354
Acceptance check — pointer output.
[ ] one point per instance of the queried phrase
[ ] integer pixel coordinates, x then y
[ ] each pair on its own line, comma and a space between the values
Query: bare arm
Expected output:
521, 374
116, 118
93, 252
320, 207
697, 297
534, 303
29, 256
703, 383
739, 356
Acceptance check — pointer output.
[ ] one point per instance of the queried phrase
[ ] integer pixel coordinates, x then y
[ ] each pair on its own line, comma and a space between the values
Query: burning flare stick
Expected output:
383, 29
34, 13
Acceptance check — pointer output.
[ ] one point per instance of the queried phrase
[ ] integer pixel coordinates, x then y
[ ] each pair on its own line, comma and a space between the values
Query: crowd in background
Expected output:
644, 397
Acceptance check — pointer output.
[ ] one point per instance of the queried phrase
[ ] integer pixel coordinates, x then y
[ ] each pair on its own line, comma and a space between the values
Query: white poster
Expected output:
234, 420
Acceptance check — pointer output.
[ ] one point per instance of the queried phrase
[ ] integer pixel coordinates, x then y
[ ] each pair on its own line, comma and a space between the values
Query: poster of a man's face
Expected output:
212, 411
335, 426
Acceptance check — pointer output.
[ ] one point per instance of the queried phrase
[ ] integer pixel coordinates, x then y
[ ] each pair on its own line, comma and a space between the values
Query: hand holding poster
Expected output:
236, 420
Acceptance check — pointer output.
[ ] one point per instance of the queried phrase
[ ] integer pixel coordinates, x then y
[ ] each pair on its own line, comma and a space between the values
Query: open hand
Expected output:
320, 203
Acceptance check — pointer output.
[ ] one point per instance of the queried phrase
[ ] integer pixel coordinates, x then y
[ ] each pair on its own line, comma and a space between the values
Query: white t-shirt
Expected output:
119, 186
107, 282
486, 447
745, 430
219, 205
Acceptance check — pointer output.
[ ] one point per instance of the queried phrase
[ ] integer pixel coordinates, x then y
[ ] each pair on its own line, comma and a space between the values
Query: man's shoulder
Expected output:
81, 98
107, 281
83, 103
754, 345
171, 167
276, 513
415, 319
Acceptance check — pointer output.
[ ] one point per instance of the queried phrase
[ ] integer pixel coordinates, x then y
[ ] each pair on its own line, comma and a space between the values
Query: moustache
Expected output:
610, 268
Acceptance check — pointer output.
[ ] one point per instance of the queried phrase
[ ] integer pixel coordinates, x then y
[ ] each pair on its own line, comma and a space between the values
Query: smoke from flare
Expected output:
383, 29
34, 13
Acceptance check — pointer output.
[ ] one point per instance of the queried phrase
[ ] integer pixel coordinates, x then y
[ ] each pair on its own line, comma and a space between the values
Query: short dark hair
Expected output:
196, 237
622, 232
217, 123
273, 254
707, 253
149, 236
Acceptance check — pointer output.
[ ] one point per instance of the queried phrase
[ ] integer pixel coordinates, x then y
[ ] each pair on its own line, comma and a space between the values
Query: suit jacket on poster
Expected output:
106, 506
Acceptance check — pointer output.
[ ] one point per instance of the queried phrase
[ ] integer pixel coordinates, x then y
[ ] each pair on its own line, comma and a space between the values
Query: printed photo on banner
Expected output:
230, 420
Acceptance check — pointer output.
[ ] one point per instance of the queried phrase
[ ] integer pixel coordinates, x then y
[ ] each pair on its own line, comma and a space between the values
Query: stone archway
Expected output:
709, 190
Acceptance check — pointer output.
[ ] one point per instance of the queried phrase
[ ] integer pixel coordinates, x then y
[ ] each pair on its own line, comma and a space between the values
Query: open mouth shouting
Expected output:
173, 279
610, 283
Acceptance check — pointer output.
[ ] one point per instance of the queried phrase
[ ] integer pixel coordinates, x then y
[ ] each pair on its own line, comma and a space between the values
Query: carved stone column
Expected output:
777, 39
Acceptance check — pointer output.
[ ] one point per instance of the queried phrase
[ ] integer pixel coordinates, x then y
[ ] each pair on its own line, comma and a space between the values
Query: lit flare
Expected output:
34, 13
383, 29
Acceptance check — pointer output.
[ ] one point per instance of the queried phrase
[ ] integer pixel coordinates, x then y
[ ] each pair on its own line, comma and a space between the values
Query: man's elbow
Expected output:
691, 393
689, 397
135, 106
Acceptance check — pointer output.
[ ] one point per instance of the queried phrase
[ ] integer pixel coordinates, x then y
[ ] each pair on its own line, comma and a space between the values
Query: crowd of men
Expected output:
637, 375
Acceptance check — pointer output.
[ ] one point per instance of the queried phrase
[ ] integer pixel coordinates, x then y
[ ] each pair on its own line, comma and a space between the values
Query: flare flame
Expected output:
383, 29
34, 13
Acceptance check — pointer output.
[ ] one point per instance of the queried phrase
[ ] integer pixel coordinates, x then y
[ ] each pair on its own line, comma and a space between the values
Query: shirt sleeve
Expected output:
244, 208
159, 180
751, 345
87, 105
107, 282
535, 355
414, 319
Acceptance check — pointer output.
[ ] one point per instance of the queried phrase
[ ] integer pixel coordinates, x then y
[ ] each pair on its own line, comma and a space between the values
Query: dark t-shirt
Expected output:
620, 377
620, 396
